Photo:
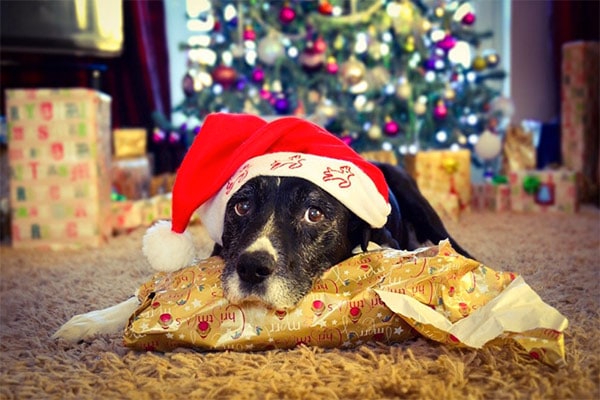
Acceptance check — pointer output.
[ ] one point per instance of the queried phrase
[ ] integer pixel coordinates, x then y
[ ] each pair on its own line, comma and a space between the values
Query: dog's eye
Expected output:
242, 208
313, 215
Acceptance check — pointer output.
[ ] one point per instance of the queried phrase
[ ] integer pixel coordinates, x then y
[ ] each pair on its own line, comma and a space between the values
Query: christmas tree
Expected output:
382, 74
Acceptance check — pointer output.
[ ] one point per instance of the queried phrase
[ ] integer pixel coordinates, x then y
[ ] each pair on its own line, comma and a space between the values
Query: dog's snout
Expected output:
255, 267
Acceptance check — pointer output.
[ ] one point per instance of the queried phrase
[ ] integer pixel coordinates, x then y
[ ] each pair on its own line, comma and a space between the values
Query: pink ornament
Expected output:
265, 94
468, 19
447, 43
347, 140
249, 34
258, 75
332, 67
391, 128
287, 15
440, 111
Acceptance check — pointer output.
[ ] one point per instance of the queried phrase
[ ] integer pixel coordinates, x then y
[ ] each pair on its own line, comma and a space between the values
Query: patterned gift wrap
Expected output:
385, 296
544, 191
444, 177
490, 196
59, 155
580, 109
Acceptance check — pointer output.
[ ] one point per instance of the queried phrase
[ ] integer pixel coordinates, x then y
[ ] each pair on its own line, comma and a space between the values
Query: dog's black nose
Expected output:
255, 267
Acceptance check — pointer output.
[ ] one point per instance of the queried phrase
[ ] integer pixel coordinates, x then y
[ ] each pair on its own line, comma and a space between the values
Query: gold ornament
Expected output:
352, 71
374, 132
420, 107
403, 90
479, 63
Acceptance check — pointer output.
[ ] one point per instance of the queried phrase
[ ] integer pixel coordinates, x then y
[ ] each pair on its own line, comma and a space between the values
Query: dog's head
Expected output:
279, 235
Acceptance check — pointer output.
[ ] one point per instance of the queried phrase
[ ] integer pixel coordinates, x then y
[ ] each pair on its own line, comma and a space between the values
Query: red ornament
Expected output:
287, 14
325, 7
224, 75
468, 18
320, 45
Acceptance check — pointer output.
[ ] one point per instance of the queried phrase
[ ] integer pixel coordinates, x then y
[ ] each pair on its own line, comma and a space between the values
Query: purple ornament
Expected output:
281, 105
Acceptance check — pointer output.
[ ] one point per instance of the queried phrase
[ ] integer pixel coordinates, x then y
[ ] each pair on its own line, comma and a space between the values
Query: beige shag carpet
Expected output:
558, 255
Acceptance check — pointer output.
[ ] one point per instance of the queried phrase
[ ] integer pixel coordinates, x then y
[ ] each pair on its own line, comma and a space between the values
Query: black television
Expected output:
74, 27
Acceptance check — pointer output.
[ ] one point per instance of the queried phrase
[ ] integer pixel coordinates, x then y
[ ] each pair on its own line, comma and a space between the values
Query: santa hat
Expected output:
230, 149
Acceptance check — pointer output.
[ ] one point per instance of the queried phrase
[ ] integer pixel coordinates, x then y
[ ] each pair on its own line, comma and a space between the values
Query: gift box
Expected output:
518, 149
60, 156
443, 175
580, 108
385, 296
131, 177
541, 191
129, 142
131, 214
491, 196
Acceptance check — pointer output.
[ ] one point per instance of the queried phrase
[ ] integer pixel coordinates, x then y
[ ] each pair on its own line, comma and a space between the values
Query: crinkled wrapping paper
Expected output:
385, 296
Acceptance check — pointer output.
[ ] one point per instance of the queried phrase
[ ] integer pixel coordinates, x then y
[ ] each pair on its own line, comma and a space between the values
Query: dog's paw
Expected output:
107, 321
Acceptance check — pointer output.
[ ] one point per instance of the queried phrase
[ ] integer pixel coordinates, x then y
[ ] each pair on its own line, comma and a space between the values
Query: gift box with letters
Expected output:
444, 178
547, 190
59, 155
580, 109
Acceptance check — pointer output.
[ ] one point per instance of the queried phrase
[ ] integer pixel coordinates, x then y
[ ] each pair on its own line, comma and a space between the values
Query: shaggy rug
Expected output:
557, 254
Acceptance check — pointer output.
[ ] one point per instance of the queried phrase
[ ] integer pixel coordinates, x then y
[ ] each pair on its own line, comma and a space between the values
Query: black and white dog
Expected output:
280, 233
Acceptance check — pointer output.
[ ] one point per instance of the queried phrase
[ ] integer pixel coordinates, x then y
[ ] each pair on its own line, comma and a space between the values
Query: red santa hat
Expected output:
230, 149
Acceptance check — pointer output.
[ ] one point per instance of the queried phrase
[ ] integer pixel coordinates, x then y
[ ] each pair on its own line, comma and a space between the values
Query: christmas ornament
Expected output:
258, 75
325, 7
409, 45
187, 84
468, 18
421, 106
447, 43
352, 71
403, 90
347, 139
488, 146
249, 33
492, 60
224, 75
287, 14
331, 66
374, 132
281, 105
479, 63
531, 184
310, 59
391, 127
270, 49
440, 111
319, 45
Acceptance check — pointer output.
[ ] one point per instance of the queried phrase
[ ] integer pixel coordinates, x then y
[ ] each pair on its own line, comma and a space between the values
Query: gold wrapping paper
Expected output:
518, 150
384, 296
129, 142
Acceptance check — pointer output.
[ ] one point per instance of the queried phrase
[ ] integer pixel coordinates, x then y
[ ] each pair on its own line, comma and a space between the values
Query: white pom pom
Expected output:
167, 250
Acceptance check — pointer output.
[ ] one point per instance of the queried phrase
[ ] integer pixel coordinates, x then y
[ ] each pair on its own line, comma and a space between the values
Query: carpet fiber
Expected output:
558, 255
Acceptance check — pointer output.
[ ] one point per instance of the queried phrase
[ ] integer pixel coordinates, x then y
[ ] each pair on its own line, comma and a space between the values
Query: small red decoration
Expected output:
287, 14
325, 7
468, 19
224, 75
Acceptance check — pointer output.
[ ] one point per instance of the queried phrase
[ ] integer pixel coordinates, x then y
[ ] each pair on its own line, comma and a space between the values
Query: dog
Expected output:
281, 233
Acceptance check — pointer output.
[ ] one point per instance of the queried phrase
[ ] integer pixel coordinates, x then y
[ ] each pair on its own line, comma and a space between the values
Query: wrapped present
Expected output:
518, 149
384, 296
492, 196
129, 142
442, 173
548, 190
131, 177
580, 109
383, 156
59, 155
447, 205
130, 214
